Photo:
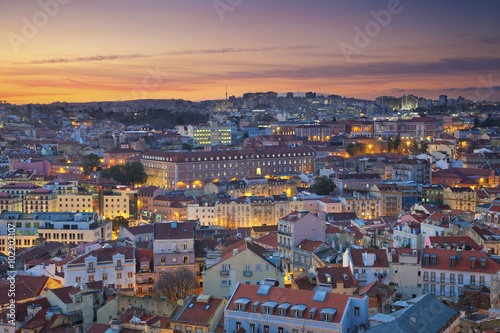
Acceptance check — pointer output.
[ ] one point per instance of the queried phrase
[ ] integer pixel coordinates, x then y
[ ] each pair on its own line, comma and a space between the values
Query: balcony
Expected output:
224, 273
144, 282
119, 268
91, 270
247, 273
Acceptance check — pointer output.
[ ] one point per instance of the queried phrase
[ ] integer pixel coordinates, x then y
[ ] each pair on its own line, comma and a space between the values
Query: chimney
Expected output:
33, 309
115, 324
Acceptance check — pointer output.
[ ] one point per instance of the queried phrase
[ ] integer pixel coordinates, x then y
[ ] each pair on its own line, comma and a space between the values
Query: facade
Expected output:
10, 202
144, 272
404, 272
314, 132
40, 200
173, 247
272, 309
67, 228
244, 262
115, 267
391, 199
293, 229
448, 272
118, 156
202, 211
145, 196
365, 207
199, 314
207, 135
460, 198
75, 203
347, 182
183, 170
416, 170
408, 236
120, 202
367, 265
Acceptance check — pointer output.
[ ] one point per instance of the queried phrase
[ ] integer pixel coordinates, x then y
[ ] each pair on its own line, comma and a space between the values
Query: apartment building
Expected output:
447, 273
183, 170
10, 202
209, 134
40, 200
367, 265
267, 308
118, 156
460, 198
173, 246
75, 203
365, 207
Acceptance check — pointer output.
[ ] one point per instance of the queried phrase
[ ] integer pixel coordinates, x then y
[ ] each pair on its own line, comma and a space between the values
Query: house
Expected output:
173, 246
24, 312
267, 308
79, 303
487, 239
199, 314
138, 234
448, 272
451, 242
404, 272
368, 265
115, 267
144, 272
27, 288
293, 229
408, 235
340, 279
243, 262
381, 296
461, 198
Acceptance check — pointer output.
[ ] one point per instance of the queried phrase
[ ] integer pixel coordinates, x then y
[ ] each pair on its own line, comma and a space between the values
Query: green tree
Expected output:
129, 174
186, 146
179, 121
90, 163
322, 185
118, 222
476, 122
355, 148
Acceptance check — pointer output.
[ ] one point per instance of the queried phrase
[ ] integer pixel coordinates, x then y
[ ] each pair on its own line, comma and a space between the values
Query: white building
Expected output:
447, 273
404, 272
367, 265
115, 267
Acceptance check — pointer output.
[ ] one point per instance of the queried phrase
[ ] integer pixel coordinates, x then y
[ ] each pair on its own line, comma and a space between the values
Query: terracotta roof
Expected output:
337, 274
380, 260
294, 297
106, 254
242, 245
265, 228
178, 230
403, 251
270, 240
22, 308
464, 265
199, 313
309, 245
141, 229
375, 289
98, 328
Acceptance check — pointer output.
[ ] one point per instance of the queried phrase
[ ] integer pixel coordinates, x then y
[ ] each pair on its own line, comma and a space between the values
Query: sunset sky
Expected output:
107, 50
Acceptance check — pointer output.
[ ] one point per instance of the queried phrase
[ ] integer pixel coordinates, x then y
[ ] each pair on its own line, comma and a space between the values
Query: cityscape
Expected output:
250, 167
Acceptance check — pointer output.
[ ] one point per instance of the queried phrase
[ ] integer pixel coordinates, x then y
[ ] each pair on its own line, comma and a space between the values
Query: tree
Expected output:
129, 174
90, 163
186, 146
355, 148
179, 121
176, 284
322, 185
118, 222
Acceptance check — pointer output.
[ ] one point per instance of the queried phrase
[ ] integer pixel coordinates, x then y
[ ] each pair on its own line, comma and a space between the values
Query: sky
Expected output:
95, 50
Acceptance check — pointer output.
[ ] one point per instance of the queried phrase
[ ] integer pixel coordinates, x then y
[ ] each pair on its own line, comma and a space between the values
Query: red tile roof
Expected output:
380, 260
337, 274
106, 254
464, 265
309, 245
270, 240
459, 240
198, 314
183, 230
294, 297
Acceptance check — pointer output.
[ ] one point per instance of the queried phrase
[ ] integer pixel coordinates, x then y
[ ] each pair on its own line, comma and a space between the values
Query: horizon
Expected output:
82, 52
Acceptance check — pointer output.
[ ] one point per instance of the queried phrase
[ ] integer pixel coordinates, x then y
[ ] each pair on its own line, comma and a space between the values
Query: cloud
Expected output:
173, 53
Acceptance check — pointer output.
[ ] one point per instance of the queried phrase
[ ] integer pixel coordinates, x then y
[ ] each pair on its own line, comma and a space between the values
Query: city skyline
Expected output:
71, 51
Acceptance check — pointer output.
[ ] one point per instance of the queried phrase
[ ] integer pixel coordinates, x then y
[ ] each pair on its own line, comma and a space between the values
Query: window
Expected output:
118, 275
433, 276
442, 277
257, 268
426, 276
481, 280
238, 324
472, 280
252, 328
452, 278
266, 328
356, 311
442, 289
281, 330
433, 289
460, 278
162, 260
452, 291
78, 279
91, 277
185, 259
460, 290
426, 288
104, 277
130, 274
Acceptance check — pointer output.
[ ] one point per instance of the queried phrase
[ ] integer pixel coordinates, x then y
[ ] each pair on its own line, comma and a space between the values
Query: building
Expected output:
118, 156
40, 200
314, 132
202, 211
465, 177
404, 272
144, 272
347, 182
447, 273
171, 207
199, 314
184, 170
10, 202
460, 198
408, 236
365, 207
67, 228
75, 203
209, 134
367, 265
173, 246
59, 187
115, 267
266, 308
145, 196
243, 262
416, 170
293, 229
391, 199
119, 202
422, 314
